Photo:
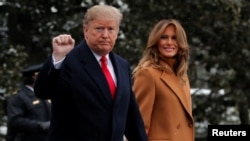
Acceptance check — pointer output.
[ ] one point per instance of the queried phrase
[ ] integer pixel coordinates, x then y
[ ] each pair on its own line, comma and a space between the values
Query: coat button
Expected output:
178, 126
190, 125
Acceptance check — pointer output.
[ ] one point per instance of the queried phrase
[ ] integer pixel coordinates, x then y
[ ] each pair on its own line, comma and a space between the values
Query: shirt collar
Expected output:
98, 57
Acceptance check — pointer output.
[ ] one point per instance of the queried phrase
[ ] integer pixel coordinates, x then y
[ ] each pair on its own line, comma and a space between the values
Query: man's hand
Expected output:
62, 45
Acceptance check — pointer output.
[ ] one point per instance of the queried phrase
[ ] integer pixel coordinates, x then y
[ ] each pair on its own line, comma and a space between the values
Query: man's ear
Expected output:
85, 30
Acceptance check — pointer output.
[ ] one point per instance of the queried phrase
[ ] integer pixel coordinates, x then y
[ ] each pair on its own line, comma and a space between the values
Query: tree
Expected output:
11, 58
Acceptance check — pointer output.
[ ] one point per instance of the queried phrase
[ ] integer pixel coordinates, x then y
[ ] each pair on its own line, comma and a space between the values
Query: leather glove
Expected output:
44, 125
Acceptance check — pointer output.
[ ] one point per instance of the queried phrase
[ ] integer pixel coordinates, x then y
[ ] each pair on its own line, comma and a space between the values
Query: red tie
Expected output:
108, 76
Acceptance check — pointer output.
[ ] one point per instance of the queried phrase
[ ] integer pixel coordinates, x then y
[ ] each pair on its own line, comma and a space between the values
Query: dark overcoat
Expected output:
82, 106
25, 111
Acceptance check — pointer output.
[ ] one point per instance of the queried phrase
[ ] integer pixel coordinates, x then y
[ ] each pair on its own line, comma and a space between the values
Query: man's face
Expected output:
101, 35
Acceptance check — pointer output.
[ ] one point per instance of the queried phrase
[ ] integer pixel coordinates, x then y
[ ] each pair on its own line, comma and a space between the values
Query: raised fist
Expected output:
62, 45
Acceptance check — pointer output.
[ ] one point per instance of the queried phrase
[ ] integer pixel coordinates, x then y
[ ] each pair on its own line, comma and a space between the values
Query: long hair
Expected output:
151, 55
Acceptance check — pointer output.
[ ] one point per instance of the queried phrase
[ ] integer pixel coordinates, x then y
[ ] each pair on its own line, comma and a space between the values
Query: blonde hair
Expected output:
102, 11
151, 56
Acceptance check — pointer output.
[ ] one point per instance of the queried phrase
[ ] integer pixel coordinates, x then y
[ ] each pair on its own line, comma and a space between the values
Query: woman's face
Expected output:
167, 45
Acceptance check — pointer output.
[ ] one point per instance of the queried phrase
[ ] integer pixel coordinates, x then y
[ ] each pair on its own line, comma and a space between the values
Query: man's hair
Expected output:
102, 11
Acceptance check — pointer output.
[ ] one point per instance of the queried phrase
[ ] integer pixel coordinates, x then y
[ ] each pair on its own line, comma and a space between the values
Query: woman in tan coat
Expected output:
161, 84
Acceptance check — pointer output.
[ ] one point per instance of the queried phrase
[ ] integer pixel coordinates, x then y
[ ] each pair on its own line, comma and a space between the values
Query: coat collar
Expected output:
92, 67
179, 88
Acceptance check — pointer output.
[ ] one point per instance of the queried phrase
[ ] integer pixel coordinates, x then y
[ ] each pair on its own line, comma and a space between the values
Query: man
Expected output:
84, 106
28, 116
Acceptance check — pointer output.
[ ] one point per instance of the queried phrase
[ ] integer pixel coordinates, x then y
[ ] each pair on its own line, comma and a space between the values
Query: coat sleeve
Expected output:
134, 130
134, 126
144, 90
46, 81
16, 116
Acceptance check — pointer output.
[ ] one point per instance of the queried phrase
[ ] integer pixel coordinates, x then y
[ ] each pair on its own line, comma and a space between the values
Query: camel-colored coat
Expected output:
165, 105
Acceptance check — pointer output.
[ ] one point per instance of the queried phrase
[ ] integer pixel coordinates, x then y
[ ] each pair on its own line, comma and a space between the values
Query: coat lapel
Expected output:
117, 70
92, 67
175, 85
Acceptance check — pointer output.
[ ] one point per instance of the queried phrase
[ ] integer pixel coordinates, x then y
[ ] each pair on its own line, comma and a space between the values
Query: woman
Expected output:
161, 84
